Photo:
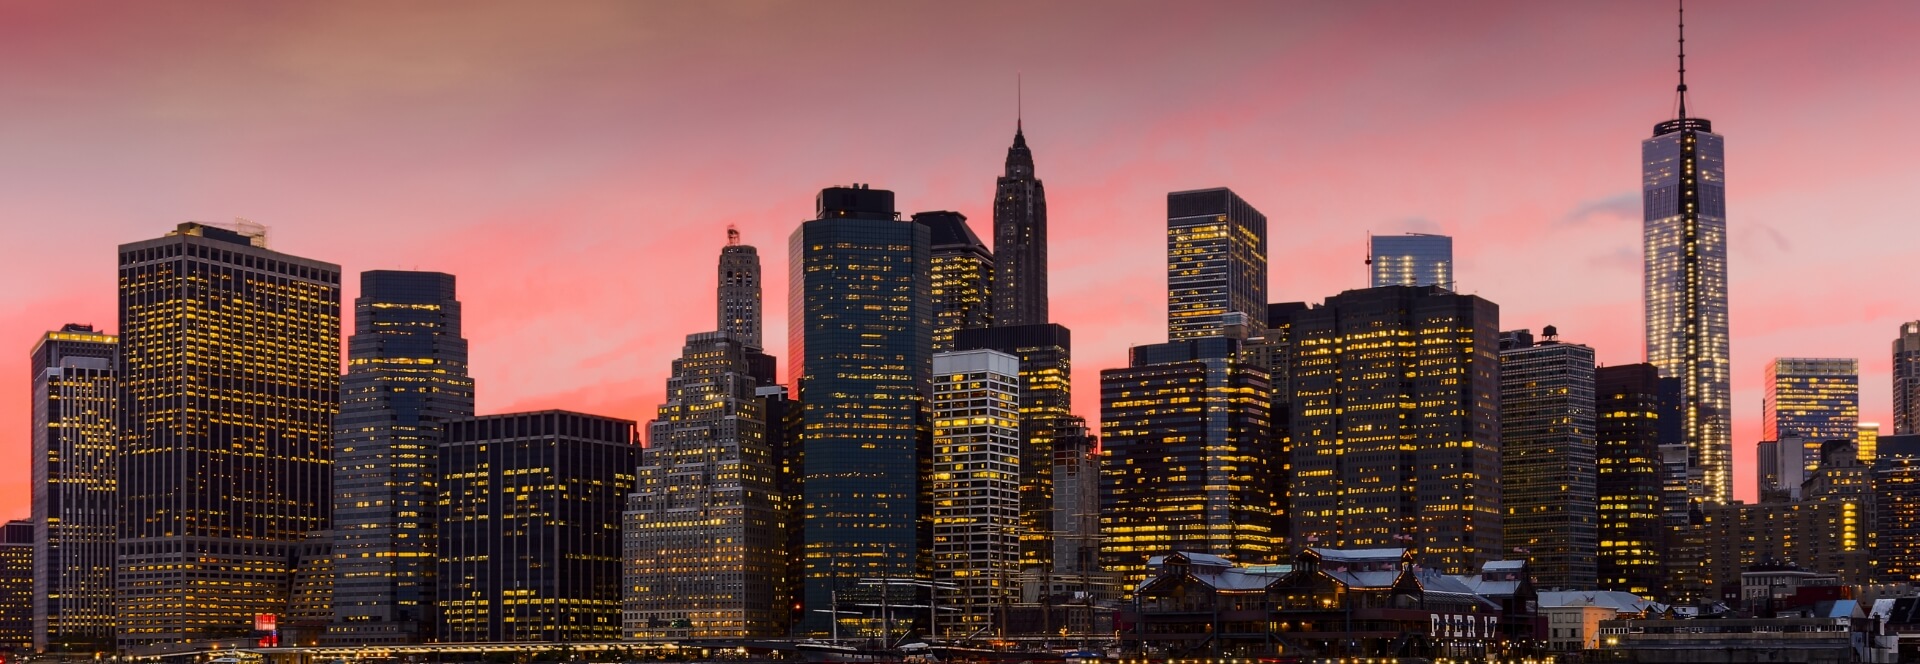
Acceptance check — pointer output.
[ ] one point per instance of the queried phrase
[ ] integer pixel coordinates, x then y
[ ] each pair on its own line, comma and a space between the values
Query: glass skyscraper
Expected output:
1631, 408
962, 268
74, 509
406, 378
1019, 240
1216, 265
229, 380
1906, 379
1812, 398
976, 486
1414, 259
861, 338
1046, 401
1547, 459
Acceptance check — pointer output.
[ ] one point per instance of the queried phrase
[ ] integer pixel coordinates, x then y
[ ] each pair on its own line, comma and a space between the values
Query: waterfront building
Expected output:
962, 272
1414, 259
1633, 407
1548, 468
74, 510
1019, 239
1813, 398
976, 487
1216, 265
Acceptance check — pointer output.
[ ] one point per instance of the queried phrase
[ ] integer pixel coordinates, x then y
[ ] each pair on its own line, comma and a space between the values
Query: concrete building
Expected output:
16, 587
74, 511
1045, 352
1548, 468
976, 486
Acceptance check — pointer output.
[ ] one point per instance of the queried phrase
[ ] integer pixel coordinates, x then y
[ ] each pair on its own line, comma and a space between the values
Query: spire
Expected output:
1019, 112
1682, 90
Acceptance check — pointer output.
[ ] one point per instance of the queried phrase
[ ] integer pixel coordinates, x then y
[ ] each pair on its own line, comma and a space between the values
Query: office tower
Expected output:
739, 291
16, 586
1273, 352
1906, 379
73, 482
530, 526
1216, 265
1396, 432
962, 270
1868, 436
783, 442
1045, 352
310, 601
861, 333
1019, 240
1076, 501
1548, 460
1896, 498
1767, 457
1629, 409
229, 380
1787, 463
406, 377
1186, 465
976, 486
705, 552
1684, 189
1816, 398
1414, 259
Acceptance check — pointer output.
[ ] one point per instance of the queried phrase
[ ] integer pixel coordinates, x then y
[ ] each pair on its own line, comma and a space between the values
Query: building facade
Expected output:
1185, 457
861, 338
1906, 379
704, 551
16, 586
1814, 398
1896, 498
74, 510
962, 272
1216, 265
229, 380
1396, 424
1631, 408
739, 308
530, 527
1045, 352
406, 378
1019, 240
976, 486
1414, 259
1549, 459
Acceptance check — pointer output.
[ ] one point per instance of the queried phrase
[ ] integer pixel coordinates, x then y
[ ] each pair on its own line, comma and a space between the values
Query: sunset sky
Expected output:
576, 164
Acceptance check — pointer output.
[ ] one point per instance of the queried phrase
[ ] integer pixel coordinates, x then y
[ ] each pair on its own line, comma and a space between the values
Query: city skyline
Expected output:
558, 210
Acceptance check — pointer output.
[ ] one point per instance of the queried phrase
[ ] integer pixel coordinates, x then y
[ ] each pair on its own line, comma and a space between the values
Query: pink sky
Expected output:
576, 163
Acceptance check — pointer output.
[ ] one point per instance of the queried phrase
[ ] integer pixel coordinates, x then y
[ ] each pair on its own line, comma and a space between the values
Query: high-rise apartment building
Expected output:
976, 486
1046, 399
229, 380
530, 526
705, 553
1216, 265
1414, 259
16, 586
1906, 379
1817, 398
1896, 501
73, 489
739, 292
1829, 531
406, 378
1019, 240
861, 334
1548, 459
1630, 409
1685, 199
1186, 463
962, 271
1396, 425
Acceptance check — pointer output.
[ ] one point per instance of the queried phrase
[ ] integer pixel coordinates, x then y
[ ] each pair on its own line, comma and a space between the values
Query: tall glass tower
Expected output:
1414, 259
73, 479
1906, 379
406, 378
1216, 265
1019, 240
962, 277
1813, 398
861, 333
229, 380
1685, 195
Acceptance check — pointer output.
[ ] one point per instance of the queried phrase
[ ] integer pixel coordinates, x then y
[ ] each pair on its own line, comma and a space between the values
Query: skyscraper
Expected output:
229, 379
1273, 352
1814, 398
1019, 240
1906, 379
704, 548
73, 485
1631, 407
530, 526
1896, 498
406, 378
1396, 425
1684, 187
739, 291
1216, 265
861, 334
962, 270
1547, 459
16, 586
976, 486
1186, 463
1868, 436
1046, 399
1414, 259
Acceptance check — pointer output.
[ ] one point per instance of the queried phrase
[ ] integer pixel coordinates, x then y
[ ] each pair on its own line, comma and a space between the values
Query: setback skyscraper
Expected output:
739, 291
861, 333
1633, 408
1685, 196
1396, 425
1019, 240
976, 486
1216, 265
962, 272
530, 526
1547, 452
1813, 398
1906, 379
73, 480
406, 378
229, 380
1414, 259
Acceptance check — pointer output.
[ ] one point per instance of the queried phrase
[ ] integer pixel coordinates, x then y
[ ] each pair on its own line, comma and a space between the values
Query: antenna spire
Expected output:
1682, 90
733, 235
1019, 101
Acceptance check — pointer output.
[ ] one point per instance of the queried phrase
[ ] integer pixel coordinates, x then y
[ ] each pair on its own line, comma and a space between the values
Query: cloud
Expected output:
1618, 207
